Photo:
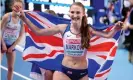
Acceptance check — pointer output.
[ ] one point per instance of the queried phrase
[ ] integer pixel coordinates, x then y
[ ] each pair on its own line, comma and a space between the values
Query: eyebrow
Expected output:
75, 11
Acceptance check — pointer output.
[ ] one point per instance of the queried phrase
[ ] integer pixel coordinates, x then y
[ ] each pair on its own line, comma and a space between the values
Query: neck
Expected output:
76, 27
14, 15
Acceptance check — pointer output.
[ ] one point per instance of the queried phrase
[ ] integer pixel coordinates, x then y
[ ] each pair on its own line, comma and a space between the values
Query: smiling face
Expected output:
17, 6
76, 13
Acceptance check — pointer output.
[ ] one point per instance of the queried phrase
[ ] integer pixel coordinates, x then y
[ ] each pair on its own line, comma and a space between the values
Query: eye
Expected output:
77, 12
72, 12
20, 7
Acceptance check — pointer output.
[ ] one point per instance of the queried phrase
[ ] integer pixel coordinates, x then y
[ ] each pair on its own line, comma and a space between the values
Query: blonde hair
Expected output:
21, 1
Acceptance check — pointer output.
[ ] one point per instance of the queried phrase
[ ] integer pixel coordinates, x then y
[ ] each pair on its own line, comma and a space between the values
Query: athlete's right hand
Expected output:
3, 48
118, 25
22, 15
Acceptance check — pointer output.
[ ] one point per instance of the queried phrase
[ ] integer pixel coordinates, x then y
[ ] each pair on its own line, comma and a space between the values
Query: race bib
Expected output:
9, 36
73, 47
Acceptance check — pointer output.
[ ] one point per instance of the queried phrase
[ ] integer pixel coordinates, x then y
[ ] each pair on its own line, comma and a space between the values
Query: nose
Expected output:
75, 15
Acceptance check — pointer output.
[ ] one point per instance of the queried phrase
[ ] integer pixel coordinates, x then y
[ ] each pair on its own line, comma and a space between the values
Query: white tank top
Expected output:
11, 31
72, 44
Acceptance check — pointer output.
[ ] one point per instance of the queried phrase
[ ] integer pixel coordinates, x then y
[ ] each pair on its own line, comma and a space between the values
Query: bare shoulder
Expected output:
5, 17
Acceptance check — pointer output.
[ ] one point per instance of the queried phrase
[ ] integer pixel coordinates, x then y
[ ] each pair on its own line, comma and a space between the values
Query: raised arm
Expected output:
106, 34
48, 31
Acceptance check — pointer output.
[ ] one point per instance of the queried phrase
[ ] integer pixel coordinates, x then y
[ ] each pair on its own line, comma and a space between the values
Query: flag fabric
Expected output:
46, 52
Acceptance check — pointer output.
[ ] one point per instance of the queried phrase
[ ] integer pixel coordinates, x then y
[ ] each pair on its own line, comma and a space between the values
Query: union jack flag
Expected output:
47, 51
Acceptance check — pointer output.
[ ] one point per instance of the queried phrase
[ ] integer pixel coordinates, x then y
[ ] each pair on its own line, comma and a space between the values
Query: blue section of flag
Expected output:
31, 43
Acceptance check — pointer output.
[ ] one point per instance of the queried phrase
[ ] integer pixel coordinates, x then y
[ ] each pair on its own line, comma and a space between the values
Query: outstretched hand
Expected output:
125, 27
3, 48
122, 25
22, 15
119, 25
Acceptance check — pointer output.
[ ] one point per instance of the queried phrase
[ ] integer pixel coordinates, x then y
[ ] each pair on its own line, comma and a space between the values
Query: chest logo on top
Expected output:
68, 35
12, 26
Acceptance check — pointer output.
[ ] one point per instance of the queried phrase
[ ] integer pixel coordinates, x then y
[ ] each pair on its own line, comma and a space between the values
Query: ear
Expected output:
84, 14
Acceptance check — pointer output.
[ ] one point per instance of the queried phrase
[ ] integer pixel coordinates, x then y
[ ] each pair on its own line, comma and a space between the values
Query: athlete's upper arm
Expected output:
62, 28
95, 32
102, 33
52, 30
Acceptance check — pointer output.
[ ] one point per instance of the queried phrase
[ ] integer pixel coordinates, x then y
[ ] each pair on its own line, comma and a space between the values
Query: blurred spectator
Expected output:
129, 39
111, 13
125, 12
51, 12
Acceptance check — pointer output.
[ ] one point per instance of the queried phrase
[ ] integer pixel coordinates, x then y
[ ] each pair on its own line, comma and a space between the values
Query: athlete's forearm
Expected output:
33, 28
3, 42
130, 26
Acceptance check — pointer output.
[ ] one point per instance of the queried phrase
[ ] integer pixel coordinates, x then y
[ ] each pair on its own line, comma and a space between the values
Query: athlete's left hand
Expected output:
10, 50
125, 27
118, 25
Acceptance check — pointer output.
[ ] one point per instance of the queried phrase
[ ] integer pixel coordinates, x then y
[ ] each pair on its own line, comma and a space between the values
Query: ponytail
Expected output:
85, 35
